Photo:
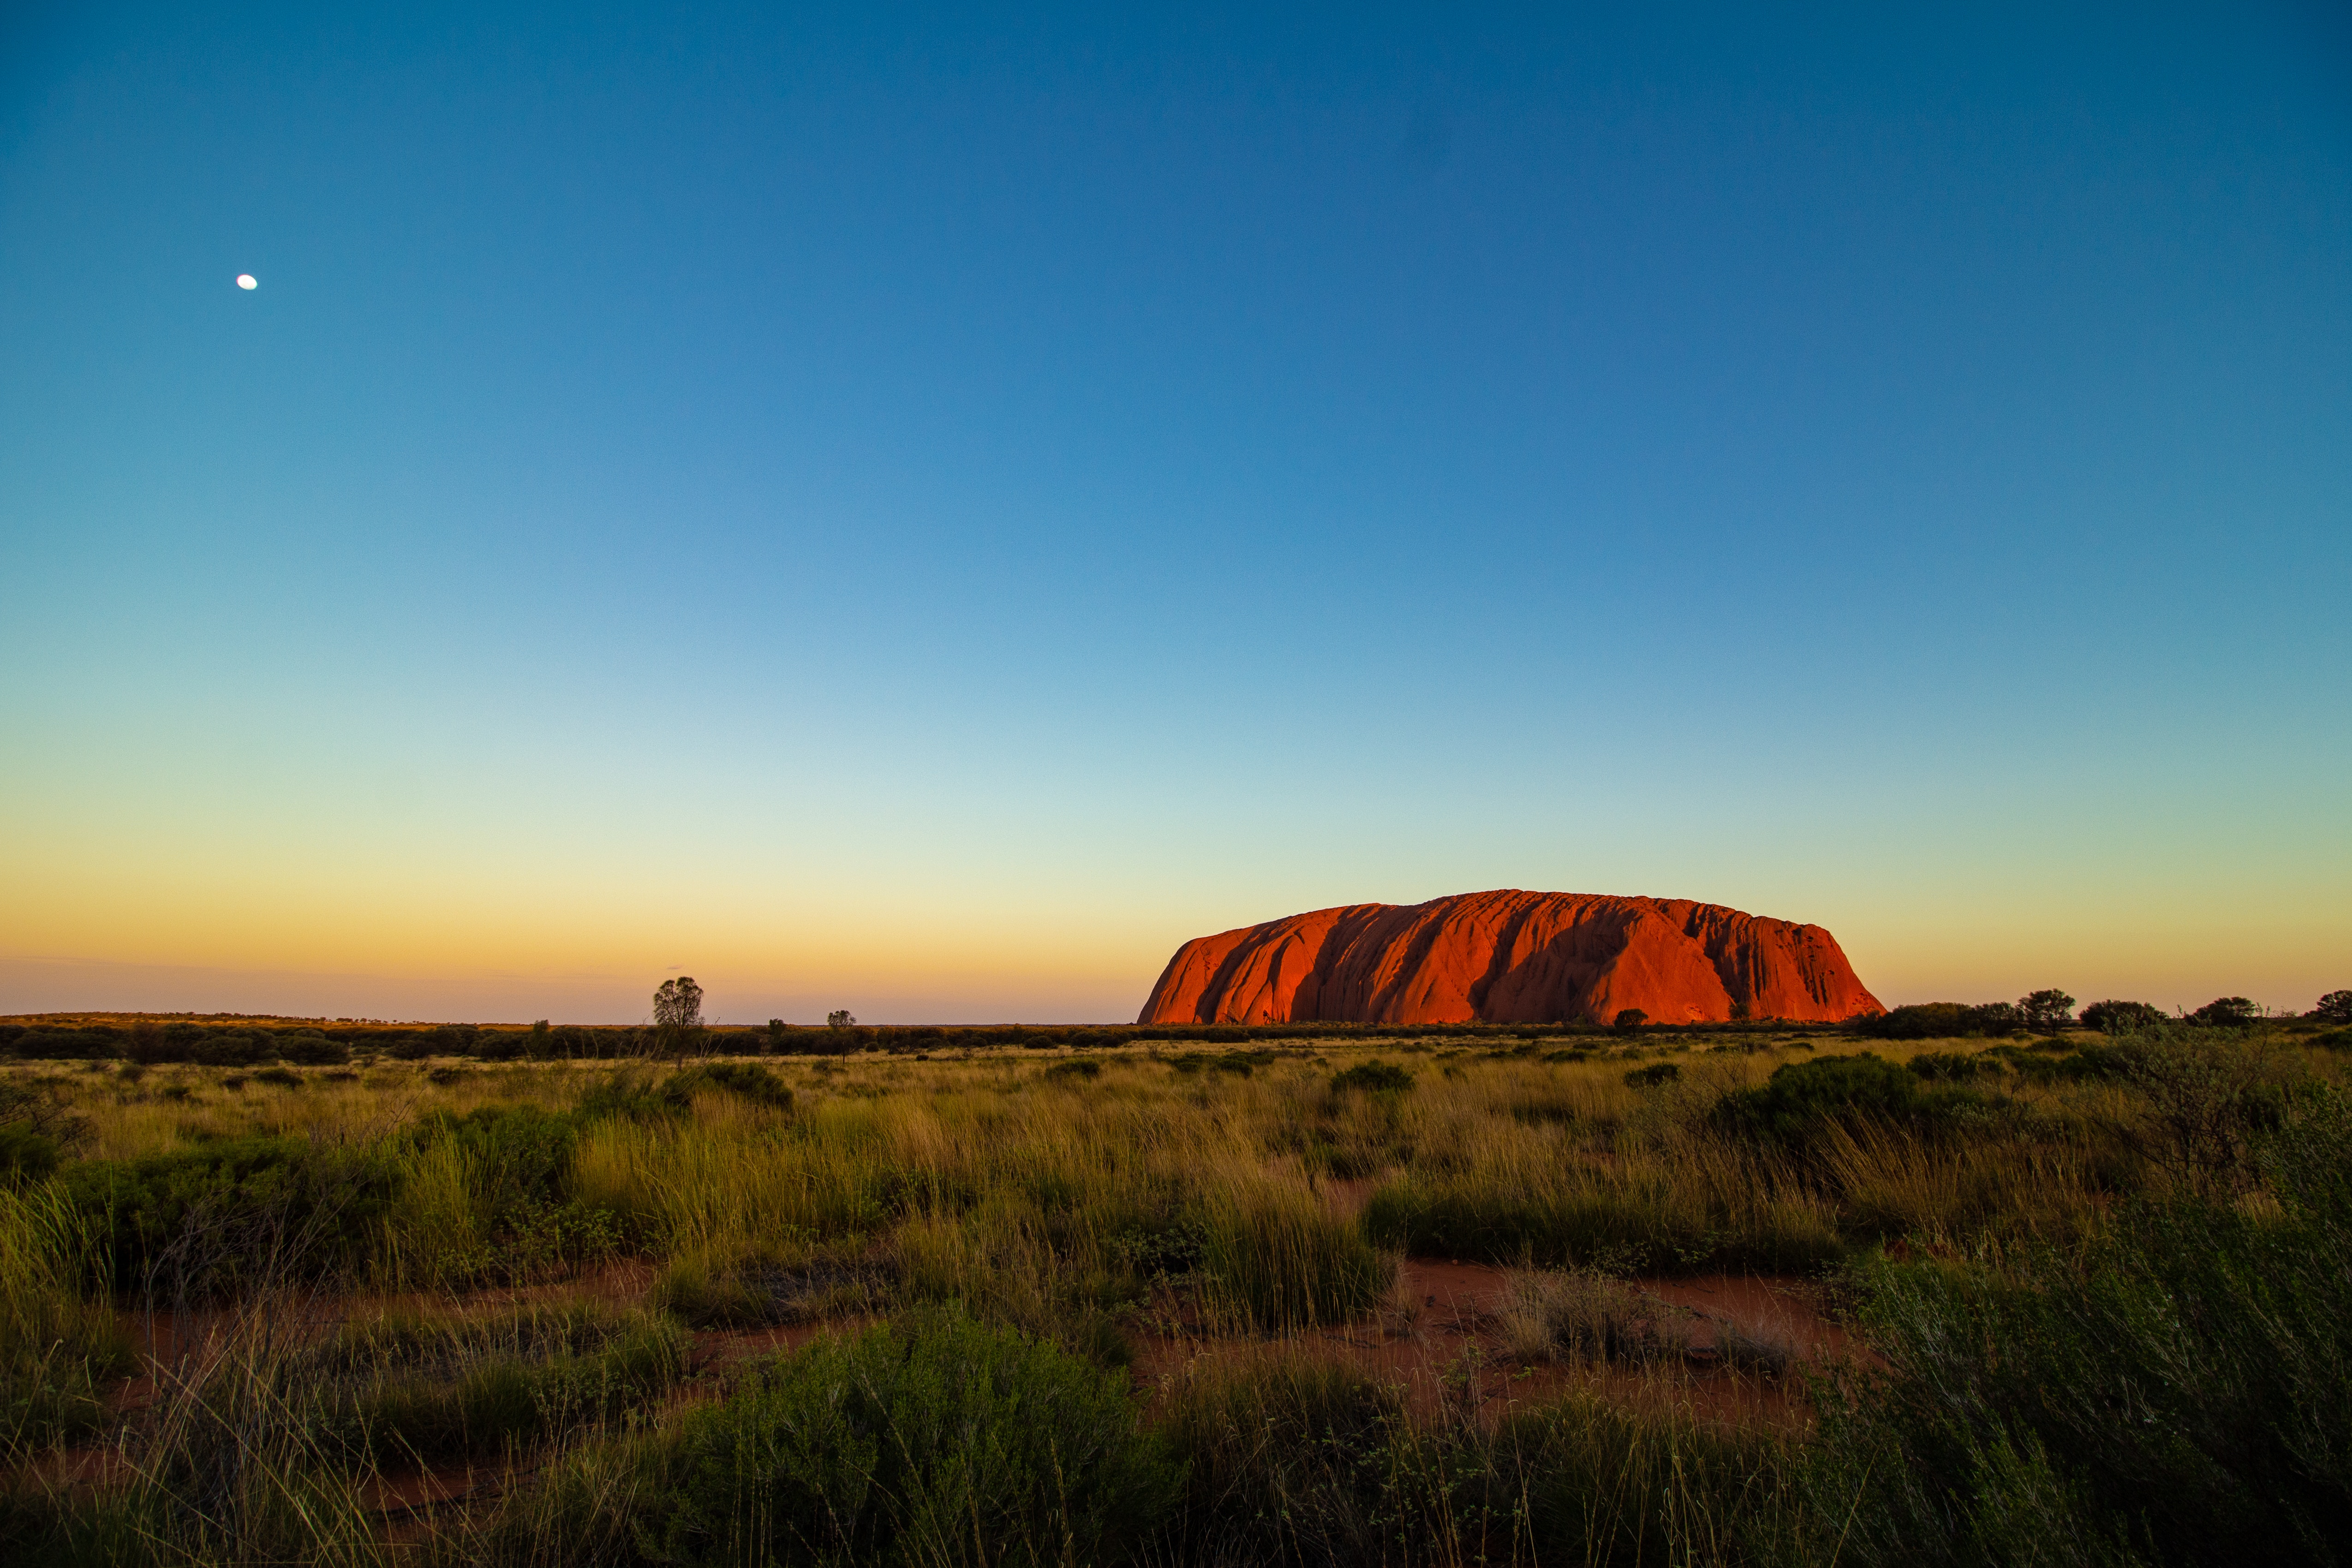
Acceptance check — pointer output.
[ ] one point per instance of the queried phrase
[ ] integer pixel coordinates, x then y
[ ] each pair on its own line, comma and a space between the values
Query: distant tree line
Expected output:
244, 1043
2049, 1011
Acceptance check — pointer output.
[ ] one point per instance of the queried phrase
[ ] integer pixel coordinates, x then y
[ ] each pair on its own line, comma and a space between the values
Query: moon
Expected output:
244, 280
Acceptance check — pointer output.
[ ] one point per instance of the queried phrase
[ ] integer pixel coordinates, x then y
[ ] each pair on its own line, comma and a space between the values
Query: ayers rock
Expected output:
1511, 957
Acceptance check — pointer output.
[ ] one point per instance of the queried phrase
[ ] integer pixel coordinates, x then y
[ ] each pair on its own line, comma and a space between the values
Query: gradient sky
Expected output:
922, 511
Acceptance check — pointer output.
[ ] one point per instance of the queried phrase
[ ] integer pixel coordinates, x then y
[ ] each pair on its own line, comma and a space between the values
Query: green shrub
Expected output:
1073, 1070
1793, 1106
1373, 1077
745, 1080
2180, 1391
24, 1155
519, 1154
1940, 1020
2112, 1016
2227, 1012
229, 1214
1650, 1077
934, 1440
1950, 1066
443, 1391
1289, 1459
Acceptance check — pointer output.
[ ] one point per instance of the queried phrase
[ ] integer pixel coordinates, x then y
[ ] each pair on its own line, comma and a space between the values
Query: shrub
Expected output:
1650, 1077
931, 1440
228, 1214
2180, 1391
39, 1126
2112, 1016
745, 1080
2334, 1007
1630, 1020
312, 1048
1792, 1105
1373, 1077
2047, 1011
1950, 1066
1938, 1020
402, 1391
1289, 1459
2227, 1012
1073, 1070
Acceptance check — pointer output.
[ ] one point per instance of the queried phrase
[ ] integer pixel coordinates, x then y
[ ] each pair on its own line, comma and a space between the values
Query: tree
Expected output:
2226, 1012
678, 1016
2046, 1011
1629, 1019
2335, 1007
678, 1004
2112, 1017
840, 1020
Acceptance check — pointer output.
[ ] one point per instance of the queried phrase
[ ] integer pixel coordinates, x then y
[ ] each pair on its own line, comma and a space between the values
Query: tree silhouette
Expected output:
678, 1016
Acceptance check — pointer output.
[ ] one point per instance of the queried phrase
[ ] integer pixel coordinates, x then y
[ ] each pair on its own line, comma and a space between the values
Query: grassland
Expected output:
2065, 1301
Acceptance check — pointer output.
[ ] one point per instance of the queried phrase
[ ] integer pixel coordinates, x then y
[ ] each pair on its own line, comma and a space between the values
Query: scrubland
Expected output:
2070, 1300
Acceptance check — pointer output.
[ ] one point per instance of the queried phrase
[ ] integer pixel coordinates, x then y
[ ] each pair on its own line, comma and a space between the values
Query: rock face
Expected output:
1511, 957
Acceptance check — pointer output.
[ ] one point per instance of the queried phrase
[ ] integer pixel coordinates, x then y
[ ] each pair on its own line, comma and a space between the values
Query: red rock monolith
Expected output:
1509, 957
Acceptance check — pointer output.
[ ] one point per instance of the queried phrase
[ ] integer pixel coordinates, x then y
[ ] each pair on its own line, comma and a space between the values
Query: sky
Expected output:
924, 510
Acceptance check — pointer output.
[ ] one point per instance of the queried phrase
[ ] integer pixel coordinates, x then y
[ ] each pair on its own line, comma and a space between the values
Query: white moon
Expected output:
244, 280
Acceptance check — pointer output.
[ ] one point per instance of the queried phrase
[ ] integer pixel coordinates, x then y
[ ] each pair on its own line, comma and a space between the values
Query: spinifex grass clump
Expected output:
1274, 1258
403, 1390
1582, 1480
59, 1342
1578, 1315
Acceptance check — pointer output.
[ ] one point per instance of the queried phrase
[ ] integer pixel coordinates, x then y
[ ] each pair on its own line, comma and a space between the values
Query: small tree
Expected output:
2335, 1007
678, 1016
2046, 1012
1629, 1019
2112, 1017
2227, 1012
839, 1019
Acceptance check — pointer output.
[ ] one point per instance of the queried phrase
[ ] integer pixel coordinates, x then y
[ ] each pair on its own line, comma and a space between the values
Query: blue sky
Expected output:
925, 510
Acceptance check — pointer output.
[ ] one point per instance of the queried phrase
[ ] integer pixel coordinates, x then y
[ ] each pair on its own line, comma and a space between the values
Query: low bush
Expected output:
401, 1393
227, 1215
1940, 1020
2112, 1016
1289, 1459
1950, 1066
934, 1440
1650, 1077
1373, 1077
2178, 1392
745, 1080
2227, 1012
1792, 1106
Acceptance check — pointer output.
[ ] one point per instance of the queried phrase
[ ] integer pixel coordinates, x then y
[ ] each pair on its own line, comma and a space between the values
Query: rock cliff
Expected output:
1509, 957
